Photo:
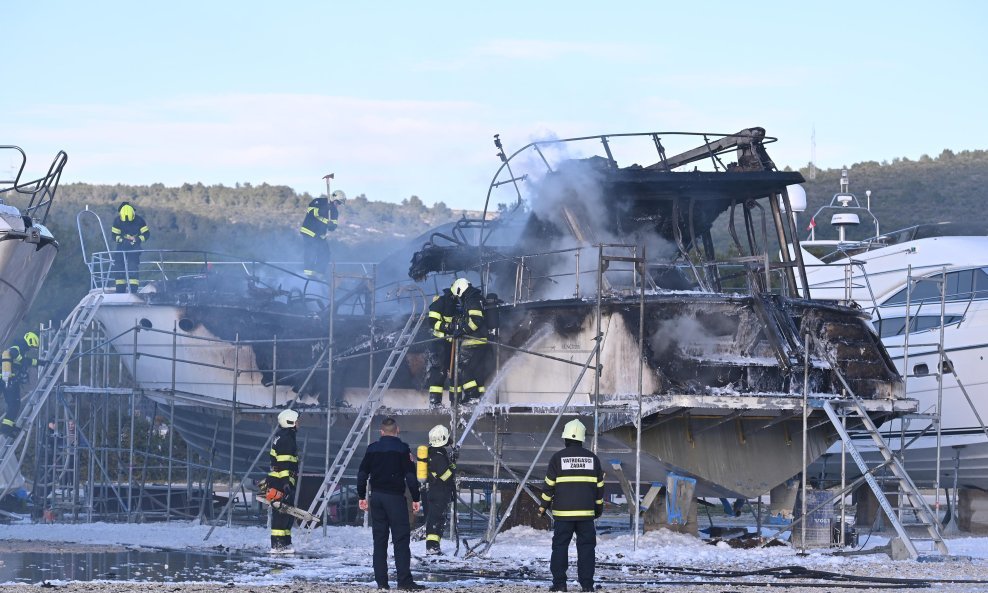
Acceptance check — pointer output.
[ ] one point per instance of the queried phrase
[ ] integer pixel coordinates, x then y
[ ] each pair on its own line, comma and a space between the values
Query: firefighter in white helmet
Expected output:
441, 484
281, 480
457, 319
574, 489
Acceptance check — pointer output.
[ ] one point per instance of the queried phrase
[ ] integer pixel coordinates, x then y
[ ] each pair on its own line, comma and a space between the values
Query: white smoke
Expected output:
574, 200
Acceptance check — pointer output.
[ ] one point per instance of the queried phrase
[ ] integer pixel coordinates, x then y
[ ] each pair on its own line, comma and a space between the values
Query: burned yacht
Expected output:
620, 300
27, 247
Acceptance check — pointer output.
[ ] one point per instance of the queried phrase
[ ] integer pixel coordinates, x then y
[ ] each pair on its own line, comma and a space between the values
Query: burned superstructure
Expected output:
640, 297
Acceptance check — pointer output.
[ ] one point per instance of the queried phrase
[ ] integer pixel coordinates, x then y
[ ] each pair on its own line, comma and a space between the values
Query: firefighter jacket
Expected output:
321, 217
388, 464
574, 485
441, 469
284, 461
130, 233
15, 358
463, 316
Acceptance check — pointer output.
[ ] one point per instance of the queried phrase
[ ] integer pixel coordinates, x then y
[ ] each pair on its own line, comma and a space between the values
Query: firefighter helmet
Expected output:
31, 339
288, 419
127, 212
460, 285
338, 196
574, 430
438, 436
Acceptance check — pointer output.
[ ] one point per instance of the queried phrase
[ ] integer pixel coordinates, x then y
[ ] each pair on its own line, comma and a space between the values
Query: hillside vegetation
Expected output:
262, 221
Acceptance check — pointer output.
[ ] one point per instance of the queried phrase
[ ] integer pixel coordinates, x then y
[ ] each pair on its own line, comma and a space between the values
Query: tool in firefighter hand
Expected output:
287, 509
327, 178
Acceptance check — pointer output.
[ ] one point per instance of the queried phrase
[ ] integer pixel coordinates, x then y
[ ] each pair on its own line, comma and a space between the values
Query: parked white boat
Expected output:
933, 279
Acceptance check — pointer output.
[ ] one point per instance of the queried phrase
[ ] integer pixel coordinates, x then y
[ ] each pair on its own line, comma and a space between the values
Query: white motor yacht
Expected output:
924, 286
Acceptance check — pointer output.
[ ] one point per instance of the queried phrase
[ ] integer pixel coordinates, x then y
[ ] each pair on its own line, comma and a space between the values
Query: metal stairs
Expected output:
912, 520
59, 352
367, 410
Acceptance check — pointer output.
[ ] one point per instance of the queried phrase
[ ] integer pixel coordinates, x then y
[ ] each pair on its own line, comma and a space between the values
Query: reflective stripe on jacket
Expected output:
284, 460
320, 218
574, 484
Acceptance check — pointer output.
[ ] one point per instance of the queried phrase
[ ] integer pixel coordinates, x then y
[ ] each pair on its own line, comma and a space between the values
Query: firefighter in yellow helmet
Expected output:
574, 489
15, 361
130, 232
321, 217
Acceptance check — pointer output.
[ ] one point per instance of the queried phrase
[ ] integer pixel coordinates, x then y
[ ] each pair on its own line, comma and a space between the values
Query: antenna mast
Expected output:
813, 154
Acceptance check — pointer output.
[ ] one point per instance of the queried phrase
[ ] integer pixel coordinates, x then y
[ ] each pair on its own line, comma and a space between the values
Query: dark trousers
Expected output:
315, 256
389, 512
126, 265
281, 529
438, 365
12, 398
586, 545
435, 514
473, 364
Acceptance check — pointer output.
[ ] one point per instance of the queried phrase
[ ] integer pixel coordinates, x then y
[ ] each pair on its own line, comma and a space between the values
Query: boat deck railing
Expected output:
356, 288
38, 193
618, 270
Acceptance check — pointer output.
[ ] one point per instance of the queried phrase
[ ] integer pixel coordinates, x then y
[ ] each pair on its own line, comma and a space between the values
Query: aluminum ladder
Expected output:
367, 410
59, 352
911, 501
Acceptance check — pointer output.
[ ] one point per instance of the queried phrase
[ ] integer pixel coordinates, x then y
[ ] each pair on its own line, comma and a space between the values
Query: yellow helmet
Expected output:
574, 430
31, 339
127, 212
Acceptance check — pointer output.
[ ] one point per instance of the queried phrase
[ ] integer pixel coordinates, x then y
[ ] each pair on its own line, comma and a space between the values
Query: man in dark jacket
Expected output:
457, 318
281, 480
389, 467
130, 232
441, 481
321, 217
574, 488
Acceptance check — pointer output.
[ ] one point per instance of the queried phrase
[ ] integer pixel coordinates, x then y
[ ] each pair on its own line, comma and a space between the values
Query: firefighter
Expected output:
281, 480
130, 232
321, 217
15, 361
441, 484
457, 317
574, 489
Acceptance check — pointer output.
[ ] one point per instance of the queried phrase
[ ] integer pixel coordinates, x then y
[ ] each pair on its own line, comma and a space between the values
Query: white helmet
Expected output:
288, 419
438, 436
574, 430
460, 285
338, 196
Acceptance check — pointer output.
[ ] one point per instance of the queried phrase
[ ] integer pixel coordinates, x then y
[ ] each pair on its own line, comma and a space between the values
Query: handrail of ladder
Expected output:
366, 413
64, 342
907, 486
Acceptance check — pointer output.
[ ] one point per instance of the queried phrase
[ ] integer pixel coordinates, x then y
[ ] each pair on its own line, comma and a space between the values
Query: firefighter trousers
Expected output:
12, 398
126, 265
436, 513
586, 546
281, 529
315, 255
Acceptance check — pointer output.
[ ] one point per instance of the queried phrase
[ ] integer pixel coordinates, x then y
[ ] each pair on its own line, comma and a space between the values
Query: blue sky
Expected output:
403, 98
